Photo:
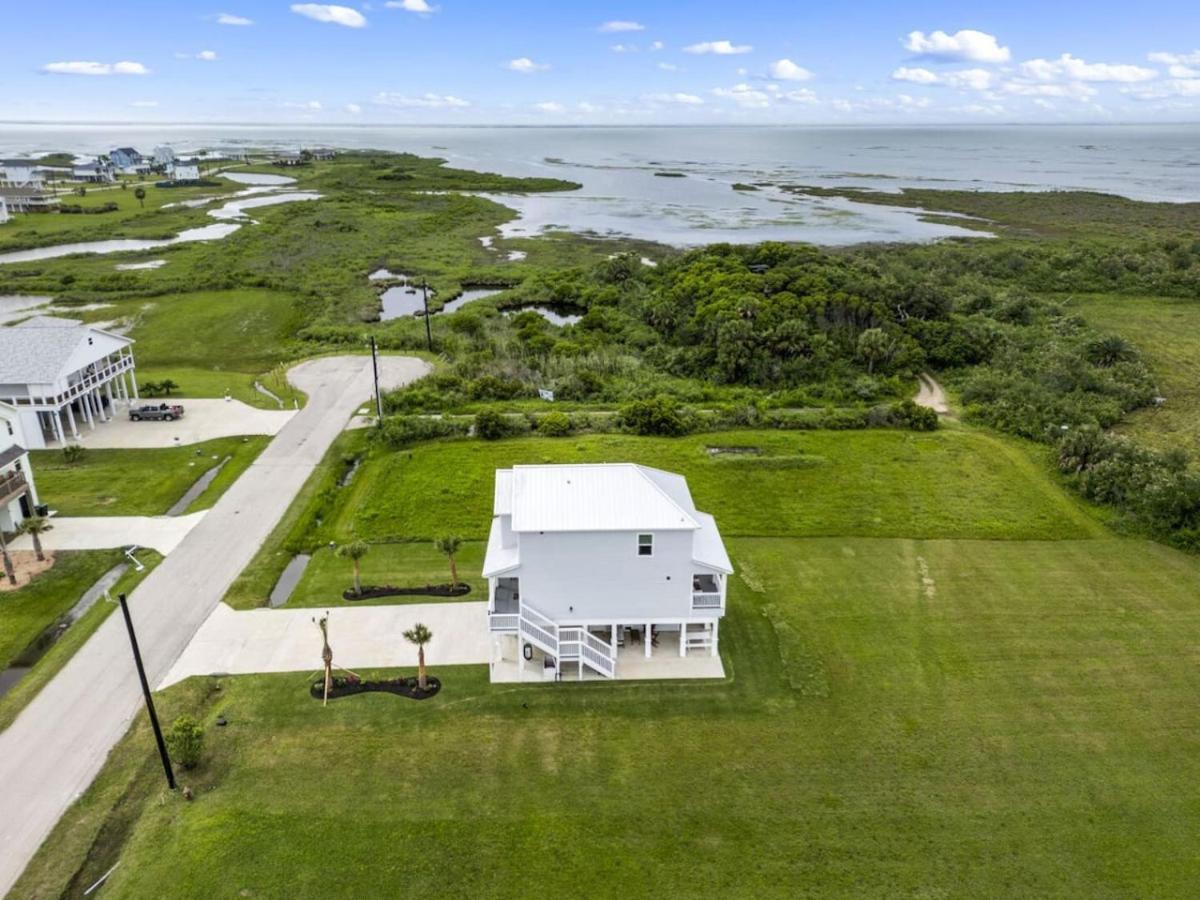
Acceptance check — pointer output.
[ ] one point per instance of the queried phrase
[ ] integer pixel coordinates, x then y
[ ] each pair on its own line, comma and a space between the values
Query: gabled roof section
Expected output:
499, 558
502, 501
38, 350
594, 497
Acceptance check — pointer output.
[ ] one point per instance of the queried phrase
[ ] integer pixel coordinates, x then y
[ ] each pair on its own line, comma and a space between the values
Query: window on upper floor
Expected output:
645, 545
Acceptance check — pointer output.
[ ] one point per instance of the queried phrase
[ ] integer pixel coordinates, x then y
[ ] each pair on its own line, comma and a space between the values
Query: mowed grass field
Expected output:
140, 482
1167, 331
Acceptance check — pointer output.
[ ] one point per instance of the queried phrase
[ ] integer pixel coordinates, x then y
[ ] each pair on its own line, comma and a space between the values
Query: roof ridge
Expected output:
641, 470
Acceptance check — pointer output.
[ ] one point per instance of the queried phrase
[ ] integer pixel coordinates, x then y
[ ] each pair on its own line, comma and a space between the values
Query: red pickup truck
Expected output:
163, 412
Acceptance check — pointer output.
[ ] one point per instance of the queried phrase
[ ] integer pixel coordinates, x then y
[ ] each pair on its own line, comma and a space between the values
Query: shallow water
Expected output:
548, 313
288, 580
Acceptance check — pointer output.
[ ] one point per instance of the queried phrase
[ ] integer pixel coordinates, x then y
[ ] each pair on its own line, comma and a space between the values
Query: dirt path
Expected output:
931, 395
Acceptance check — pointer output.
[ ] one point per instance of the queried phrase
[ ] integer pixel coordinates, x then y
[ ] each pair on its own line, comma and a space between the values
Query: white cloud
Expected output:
744, 96
327, 12
1071, 90
1163, 90
525, 65
657, 45
915, 75
786, 70
353, 108
413, 6
968, 44
423, 101
586, 107
800, 95
1070, 68
82, 67
230, 19
1175, 59
144, 104
668, 67
549, 106
207, 55
677, 97
310, 105
1178, 71
624, 48
619, 25
720, 48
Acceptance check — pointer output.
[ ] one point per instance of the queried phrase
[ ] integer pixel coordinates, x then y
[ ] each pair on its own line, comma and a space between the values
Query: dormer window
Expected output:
645, 545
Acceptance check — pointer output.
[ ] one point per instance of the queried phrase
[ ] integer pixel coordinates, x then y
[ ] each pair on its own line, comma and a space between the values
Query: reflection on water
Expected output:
549, 313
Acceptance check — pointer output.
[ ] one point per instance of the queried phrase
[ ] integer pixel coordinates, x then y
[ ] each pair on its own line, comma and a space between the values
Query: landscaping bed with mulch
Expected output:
343, 686
372, 592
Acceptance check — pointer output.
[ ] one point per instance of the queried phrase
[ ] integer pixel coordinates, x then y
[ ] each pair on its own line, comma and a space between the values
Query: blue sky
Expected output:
448, 61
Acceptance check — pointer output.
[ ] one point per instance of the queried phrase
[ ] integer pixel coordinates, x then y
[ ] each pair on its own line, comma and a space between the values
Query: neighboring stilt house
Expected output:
601, 570
63, 377
18, 493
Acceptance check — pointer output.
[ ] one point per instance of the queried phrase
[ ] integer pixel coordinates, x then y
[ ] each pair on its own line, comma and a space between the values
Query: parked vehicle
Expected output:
164, 412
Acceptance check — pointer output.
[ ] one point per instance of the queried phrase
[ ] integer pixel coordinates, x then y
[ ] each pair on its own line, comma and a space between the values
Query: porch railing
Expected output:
706, 600
12, 485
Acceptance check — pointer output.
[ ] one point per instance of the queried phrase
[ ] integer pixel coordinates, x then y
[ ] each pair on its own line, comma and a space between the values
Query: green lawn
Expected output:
26, 612
139, 482
950, 483
1167, 332
58, 595
948, 719
402, 565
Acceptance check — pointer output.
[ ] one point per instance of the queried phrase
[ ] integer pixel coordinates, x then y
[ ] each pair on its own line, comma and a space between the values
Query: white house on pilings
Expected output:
18, 492
63, 376
602, 571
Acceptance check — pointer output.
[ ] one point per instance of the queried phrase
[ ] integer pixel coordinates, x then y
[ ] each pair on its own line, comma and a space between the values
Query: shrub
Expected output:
555, 424
185, 741
400, 431
659, 415
73, 453
907, 414
491, 425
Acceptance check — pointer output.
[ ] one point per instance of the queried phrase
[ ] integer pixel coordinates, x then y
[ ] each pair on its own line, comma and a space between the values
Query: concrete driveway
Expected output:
58, 743
203, 420
366, 637
162, 533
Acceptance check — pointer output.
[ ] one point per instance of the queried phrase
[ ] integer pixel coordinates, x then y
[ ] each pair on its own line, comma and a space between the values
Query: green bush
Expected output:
400, 431
554, 424
659, 415
491, 426
185, 741
907, 414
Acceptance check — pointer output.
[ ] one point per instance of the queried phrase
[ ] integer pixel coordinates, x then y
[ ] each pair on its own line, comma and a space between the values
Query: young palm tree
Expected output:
167, 385
419, 635
140, 193
326, 655
354, 551
9, 573
35, 527
449, 544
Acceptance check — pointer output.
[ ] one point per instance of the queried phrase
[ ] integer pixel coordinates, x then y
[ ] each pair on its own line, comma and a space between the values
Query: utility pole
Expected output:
428, 328
137, 658
375, 367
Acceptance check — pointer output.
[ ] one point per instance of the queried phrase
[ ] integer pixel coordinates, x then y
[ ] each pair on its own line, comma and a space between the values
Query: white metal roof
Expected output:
38, 350
499, 559
707, 547
502, 501
593, 497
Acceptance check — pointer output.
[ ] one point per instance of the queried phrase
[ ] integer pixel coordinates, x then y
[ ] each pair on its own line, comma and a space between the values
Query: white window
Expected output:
645, 545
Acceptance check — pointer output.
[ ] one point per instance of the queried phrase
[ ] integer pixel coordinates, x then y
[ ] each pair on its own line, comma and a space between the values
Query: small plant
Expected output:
167, 385
150, 388
555, 424
185, 741
355, 551
35, 527
491, 425
140, 193
73, 453
419, 635
449, 545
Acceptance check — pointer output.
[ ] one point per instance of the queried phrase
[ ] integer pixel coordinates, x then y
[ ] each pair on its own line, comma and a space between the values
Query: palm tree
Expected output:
354, 551
874, 345
167, 385
449, 544
419, 635
35, 527
326, 654
140, 193
8, 566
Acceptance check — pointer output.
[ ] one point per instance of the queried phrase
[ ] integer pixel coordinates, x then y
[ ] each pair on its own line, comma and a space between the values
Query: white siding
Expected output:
600, 574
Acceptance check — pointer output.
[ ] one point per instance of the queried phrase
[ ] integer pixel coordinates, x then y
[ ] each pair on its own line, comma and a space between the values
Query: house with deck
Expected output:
602, 571
97, 171
184, 171
23, 186
18, 493
62, 376
128, 161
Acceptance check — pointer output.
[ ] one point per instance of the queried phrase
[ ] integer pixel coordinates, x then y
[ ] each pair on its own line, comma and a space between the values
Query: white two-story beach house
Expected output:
18, 493
600, 569
60, 375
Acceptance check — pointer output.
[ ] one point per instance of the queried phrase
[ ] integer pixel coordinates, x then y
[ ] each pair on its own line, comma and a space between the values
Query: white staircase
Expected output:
567, 643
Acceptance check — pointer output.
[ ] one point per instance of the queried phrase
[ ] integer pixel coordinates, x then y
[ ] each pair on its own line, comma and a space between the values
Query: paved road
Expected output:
163, 533
54, 749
